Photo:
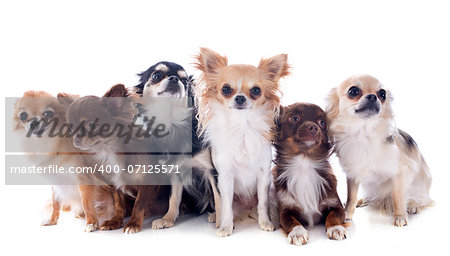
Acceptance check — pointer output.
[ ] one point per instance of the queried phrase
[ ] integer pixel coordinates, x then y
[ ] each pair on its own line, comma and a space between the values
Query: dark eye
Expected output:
382, 95
91, 126
23, 116
353, 91
48, 114
294, 119
184, 80
322, 123
226, 90
255, 91
157, 76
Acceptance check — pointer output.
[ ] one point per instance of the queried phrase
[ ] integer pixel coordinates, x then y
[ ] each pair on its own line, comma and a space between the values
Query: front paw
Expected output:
337, 232
132, 227
211, 217
400, 221
162, 223
298, 236
111, 225
91, 227
266, 226
224, 231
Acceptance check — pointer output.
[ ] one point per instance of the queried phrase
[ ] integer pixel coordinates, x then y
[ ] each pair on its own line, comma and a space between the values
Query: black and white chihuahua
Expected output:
168, 79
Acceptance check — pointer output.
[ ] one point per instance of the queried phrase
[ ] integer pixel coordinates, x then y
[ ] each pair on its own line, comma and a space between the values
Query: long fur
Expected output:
240, 139
375, 153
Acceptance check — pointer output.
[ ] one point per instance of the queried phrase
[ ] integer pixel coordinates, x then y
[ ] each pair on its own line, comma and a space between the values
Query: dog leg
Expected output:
335, 224
87, 193
56, 208
146, 195
119, 213
297, 234
169, 218
263, 202
226, 188
352, 198
217, 202
399, 201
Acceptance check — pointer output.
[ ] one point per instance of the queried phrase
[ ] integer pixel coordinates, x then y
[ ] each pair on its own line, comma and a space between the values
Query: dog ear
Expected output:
209, 61
66, 98
113, 98
332, 108
117, 90
275, 67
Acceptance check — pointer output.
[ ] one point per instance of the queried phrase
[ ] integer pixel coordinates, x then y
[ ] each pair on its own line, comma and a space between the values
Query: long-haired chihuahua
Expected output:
237, 105
373, 152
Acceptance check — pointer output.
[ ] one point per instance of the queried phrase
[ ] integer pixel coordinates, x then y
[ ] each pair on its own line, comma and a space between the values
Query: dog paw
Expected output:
224, 231
162, 223
267, 226
91, 227
132, 227
49, 222
298, 236
211, 217
400, 221
414, 210
337, 232
111, 225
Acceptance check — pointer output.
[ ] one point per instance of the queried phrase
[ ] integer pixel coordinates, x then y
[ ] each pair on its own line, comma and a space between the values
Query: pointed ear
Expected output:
209, 61
117, 90
332, 108
113, 97
275, 67
66, 98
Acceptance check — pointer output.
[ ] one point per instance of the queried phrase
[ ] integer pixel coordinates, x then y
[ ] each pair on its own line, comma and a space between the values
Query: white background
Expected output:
84, 47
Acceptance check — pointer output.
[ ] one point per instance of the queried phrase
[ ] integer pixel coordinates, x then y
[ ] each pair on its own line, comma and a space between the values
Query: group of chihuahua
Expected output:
235, 121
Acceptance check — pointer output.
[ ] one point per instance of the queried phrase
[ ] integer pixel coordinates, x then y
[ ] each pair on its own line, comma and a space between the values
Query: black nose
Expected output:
34, 124
239, 99
173, 79
312, 128
371, 98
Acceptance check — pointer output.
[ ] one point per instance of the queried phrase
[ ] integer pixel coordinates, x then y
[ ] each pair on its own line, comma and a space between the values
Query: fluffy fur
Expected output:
389, 164
304, 182
237, 105
112, 151
166, 85
43, 150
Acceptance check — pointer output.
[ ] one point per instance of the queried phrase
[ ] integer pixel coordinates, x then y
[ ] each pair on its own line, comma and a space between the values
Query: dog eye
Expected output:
23, 116
226, 90
255, 91
353, 91
294, 119
157, 76
382, 95
322, 123
184, 80
48, 114
91, 126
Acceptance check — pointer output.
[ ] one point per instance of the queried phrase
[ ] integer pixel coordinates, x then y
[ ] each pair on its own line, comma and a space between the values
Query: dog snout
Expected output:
312, 129
371, 98
240, 100
173, 79
34, 124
